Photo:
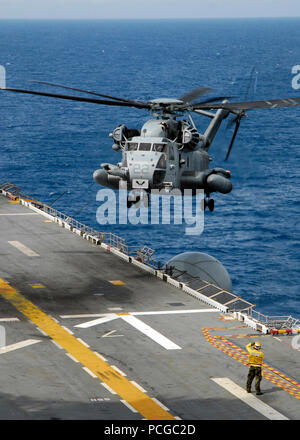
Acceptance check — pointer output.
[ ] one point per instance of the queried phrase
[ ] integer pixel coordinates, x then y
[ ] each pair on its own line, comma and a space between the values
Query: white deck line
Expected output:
107, 318
174, 312
249, 399
150, 332
24, 249
9, 319
18, 345
86, 315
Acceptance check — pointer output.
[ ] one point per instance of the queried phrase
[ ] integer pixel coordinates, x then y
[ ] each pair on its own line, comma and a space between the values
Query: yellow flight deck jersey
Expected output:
255, 356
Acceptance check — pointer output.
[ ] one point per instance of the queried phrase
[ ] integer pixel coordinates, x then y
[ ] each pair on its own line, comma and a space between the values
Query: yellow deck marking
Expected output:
38, 286
122, 386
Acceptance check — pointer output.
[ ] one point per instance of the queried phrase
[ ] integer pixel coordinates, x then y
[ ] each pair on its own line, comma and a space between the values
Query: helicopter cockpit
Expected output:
146, 160
147, 146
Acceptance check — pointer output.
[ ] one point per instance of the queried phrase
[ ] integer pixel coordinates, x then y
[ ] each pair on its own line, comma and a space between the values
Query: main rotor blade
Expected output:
77, 98
193, 94
233, 106
216, 98
237, 126
86, 91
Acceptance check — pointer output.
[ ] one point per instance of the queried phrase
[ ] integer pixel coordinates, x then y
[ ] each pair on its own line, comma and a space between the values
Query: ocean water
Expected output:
51, 147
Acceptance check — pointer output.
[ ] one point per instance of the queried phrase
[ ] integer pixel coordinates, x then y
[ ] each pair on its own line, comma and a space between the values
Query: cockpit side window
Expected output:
162, 161
145, 146
160, 148
132, 146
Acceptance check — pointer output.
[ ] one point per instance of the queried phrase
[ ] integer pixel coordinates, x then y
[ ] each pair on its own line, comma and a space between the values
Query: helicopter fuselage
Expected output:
167, 154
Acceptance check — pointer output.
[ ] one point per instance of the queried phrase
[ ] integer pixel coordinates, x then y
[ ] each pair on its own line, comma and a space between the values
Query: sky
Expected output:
151, 9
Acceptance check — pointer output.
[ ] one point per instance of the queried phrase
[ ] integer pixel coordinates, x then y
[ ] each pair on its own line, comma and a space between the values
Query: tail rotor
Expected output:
239, 115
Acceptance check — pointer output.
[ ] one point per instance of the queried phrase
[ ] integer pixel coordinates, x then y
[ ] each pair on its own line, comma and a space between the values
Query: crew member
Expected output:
256, 357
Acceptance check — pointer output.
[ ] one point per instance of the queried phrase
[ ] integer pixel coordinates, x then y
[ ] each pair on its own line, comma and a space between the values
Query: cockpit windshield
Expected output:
145, 146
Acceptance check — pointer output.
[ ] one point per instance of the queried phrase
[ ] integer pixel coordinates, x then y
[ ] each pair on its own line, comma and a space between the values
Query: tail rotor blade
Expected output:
237, 126
232, 121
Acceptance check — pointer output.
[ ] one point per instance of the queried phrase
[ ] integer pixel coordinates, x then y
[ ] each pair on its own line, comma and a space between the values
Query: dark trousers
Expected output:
254, 372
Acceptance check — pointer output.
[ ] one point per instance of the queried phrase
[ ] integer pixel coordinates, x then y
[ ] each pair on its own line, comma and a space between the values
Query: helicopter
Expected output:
168, 152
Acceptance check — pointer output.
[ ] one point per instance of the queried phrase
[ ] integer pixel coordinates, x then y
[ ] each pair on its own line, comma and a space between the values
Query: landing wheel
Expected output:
209, 203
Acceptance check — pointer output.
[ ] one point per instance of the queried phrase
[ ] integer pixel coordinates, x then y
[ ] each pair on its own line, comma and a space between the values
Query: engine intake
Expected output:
123, 133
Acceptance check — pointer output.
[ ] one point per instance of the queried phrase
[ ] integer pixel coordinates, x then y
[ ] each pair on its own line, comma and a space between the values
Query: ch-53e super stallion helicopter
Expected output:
168, 152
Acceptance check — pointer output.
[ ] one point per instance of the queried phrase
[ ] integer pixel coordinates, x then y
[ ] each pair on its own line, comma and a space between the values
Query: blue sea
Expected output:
50, 148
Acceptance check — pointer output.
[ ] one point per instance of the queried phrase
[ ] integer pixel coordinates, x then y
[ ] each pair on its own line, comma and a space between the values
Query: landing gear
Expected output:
209, 203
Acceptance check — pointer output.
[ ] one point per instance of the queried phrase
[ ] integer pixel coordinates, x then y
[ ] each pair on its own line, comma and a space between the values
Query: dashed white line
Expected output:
108, 388
129, 406
68, 330
57, 345
72, 357
160, 404
138, 386
100, 356
54, 319
24, 249
249, 399
89, 372
41, 331
84, 343
119, 371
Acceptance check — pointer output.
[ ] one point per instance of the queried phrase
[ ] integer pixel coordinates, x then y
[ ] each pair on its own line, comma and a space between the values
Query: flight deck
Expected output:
89, 335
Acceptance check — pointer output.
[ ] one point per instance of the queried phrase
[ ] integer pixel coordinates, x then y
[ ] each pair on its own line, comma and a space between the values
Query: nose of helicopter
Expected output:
143, 165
